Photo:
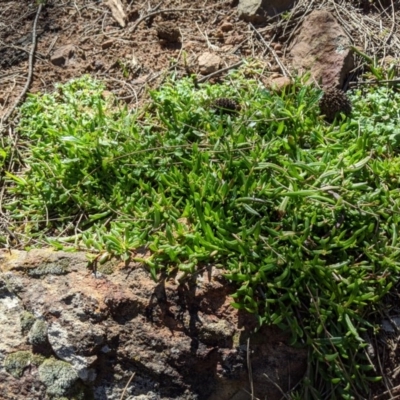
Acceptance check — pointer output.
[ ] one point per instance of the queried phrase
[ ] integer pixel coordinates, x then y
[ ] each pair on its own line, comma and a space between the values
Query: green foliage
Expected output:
303, 215
4, 152
374, 71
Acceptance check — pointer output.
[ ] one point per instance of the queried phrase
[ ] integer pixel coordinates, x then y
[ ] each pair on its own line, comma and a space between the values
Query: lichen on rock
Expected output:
51, 268
38, 333
59, 377
217, 333
15, 363
27, 320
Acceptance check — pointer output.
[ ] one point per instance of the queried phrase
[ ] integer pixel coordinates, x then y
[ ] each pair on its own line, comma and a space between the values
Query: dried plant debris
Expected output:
333, 102
226, 106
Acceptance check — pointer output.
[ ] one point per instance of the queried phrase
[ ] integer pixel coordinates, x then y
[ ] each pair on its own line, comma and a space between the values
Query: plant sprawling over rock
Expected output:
302, 215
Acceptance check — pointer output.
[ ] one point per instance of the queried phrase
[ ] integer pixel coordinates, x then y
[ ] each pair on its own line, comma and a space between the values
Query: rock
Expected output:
18, 365
258, 11
278, 83
275, 68
182, 341
61, 56
64, 345
208, 63
191, 45
226, 26
322, 47
233, 39
107, 44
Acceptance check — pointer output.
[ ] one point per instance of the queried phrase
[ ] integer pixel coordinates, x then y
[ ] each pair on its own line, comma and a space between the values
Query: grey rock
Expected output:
65, 348
257, 11
11, 336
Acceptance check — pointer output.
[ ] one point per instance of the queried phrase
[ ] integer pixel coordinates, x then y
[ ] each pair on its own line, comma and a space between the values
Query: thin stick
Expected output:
204, 78
374, 82
285, 72
126, 386
30, 72
52, 44
393, 24
250, 369
277, 386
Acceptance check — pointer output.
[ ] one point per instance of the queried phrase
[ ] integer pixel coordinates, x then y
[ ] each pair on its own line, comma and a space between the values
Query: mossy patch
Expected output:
15, 363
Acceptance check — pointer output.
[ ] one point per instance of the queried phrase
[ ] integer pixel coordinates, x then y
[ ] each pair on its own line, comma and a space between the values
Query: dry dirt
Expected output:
126, 59
132, 58
129, 59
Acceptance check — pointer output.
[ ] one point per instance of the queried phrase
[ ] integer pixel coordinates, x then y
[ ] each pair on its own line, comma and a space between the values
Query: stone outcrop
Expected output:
257, 11
67, 331
322, 47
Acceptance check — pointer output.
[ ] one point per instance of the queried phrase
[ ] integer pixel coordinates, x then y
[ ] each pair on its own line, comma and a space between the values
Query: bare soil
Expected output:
126, 59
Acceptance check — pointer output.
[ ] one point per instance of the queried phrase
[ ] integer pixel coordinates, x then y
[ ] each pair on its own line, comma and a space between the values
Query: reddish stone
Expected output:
322, 47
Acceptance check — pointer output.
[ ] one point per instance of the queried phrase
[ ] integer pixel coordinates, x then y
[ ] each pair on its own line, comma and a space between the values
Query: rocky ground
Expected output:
131, 48
139, 45
122, 331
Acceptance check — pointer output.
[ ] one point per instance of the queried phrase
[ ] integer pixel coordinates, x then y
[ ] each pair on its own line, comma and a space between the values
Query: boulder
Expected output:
69, 332
257, 11
322, 47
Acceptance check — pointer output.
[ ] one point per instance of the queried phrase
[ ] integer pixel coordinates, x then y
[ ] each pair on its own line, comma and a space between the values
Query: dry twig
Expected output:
126, 386
250, 369
30, 73
284, 70
233, 66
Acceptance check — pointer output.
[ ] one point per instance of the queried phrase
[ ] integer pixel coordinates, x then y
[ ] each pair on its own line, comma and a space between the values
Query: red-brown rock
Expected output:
322, 47
182, 341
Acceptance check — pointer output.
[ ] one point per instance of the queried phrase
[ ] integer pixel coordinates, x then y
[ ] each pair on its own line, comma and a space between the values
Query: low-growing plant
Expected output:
301, 215
378, 70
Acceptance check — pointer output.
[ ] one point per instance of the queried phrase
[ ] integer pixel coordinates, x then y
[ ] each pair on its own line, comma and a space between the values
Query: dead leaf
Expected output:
117, 11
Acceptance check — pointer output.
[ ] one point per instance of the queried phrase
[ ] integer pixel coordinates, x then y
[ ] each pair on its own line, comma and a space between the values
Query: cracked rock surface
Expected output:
67, 332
